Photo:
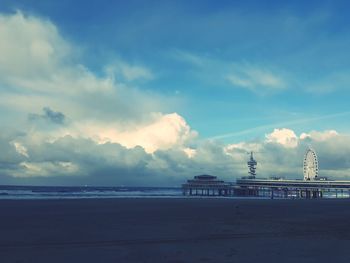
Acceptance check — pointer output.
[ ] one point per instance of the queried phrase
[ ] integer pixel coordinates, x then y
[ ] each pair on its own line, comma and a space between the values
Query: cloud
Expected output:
116, 133
54, 116
50, 115
294, 122
285, 137
30, 48
21, 149
255, 79
114, 128
127, 72
252, 76
79, 160
319, 136
30, 80
191, 58
162, 131
281, 153
44, 169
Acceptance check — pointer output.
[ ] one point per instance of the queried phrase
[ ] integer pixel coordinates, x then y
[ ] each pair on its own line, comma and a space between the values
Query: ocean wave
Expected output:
36, 192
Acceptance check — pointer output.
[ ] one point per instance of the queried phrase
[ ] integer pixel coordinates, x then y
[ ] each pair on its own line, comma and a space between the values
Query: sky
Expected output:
155, 92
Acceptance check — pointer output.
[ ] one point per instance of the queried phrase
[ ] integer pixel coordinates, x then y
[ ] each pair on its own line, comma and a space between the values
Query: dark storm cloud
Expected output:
81, 161
54, 116
49, 115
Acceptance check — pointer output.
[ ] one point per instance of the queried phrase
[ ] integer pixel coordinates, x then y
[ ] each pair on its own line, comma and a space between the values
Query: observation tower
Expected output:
252, 166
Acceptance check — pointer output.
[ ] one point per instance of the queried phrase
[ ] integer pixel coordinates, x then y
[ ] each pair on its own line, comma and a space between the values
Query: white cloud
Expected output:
190, 152
45, 169
319, 136
29, 47
160, 133
190, 58
111, 133
36, 71
237, 150
285, 137
103, 115
282, 151
21, 149
129, 72
31, 79
255, 78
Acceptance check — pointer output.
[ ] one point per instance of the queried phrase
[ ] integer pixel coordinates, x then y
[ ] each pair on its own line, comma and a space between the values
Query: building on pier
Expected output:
207, 185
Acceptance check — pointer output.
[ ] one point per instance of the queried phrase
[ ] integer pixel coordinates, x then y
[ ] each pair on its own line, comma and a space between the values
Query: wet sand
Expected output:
174, 230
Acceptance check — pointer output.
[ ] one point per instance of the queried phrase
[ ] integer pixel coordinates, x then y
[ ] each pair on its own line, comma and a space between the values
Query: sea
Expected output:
80, 192
75, 192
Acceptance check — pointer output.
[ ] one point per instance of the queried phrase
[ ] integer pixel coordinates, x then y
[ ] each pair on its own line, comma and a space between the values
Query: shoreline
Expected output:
184, 198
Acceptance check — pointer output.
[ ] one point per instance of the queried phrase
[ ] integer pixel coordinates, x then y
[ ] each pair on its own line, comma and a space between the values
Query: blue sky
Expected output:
304, 44
233, 71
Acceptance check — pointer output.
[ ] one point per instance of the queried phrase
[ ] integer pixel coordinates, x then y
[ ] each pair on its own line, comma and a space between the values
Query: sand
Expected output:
174, 230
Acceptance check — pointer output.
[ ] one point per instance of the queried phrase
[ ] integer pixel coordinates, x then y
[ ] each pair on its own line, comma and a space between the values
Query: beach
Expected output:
174, 230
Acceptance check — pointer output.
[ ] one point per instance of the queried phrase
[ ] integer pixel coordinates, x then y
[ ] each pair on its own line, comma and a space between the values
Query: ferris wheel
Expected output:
310, 165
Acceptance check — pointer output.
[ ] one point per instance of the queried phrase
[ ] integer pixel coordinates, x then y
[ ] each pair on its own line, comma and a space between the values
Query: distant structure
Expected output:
310, 165
207, 185
312, 186
252, 166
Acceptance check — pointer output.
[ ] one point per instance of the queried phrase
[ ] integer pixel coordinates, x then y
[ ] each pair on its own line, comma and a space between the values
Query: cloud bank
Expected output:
64, 124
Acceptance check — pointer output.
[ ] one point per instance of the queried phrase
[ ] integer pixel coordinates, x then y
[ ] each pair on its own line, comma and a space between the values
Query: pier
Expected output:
311, 186
208, 185
277, 188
